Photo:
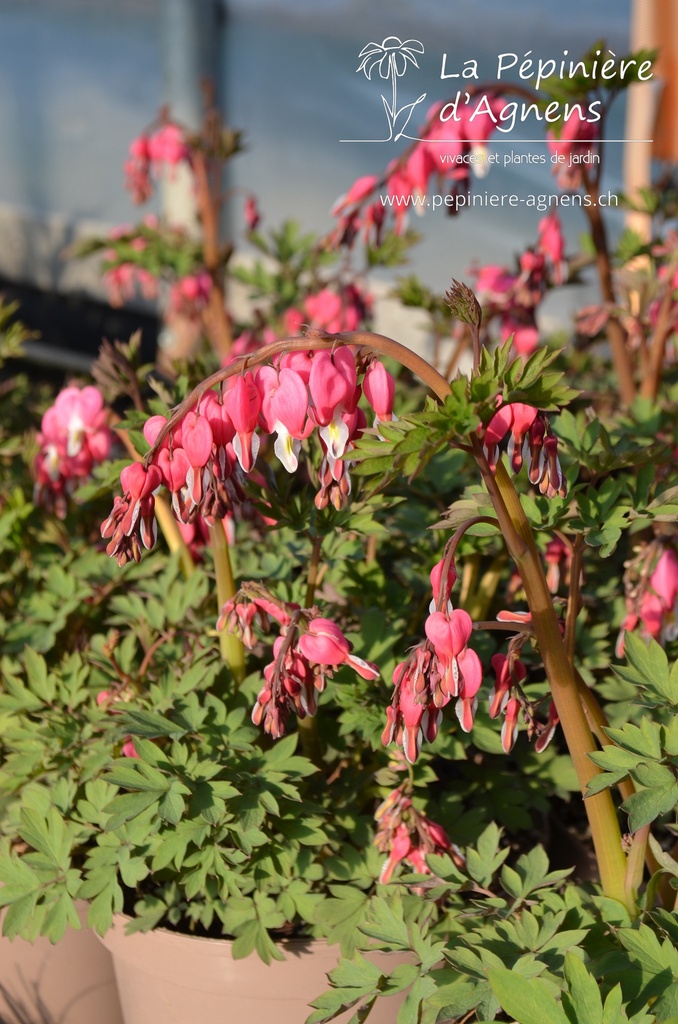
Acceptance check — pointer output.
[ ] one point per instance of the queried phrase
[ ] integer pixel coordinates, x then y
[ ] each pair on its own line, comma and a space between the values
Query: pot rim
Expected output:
293, 947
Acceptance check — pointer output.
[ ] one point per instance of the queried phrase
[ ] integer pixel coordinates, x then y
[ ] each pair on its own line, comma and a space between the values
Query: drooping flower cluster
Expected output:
437, 670
449, 148
513, 298
331, 310
124, 279
527, 435
575, 143
203, 458
405, 834
74, 437
508, 700
149, 154
305, 654
190, 294
651, 583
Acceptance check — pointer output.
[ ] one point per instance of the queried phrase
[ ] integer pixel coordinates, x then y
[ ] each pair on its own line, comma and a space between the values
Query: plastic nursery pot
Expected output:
168, 978
71, 982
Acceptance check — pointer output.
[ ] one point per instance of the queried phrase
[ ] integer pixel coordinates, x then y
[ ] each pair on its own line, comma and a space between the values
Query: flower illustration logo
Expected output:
391, 57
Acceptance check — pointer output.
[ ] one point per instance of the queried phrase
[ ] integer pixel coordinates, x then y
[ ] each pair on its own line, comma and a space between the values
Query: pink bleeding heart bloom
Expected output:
333, 312
78, 421
284, 411
521, 324
243, 404
449, 634
324, 311
476, 127
358, 192
74, 437
132, 520
513, 420
408, 835
494, 285
136, 168
128, 748
400, 848
418, 170
443, 144
509, 729
471, 677
400, 188
529, 437
557, 557
437, 583
379, 390
577, 139
551, 243
325, 644
547, 733
462, 671
197, 440
190, 295
504, 681
332, 384
168, 146
293, 321
252, 215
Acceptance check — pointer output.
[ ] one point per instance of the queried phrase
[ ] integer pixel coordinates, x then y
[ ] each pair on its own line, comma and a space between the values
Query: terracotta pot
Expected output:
167, 978
71, 982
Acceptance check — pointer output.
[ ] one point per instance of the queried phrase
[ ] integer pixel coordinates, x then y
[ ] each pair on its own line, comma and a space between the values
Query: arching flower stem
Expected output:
314, 341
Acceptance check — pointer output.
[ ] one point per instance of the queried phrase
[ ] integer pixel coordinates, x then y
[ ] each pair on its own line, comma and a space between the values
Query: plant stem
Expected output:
615, 332
600, 809
208, 208
172, 534
635, 863
660, 335
308, 727
573, 600
232, 650
313, 566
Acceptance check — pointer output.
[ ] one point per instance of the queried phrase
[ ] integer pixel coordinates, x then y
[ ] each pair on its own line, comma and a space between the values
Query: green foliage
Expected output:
648, 752
520, 943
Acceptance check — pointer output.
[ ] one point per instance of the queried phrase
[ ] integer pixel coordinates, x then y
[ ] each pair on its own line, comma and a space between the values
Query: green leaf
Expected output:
128, 806
582, 1001
526, 1000
38, 680
647, 804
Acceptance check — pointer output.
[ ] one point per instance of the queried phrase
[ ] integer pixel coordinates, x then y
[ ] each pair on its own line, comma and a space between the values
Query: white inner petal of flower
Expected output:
335, 436
76, 435
286, 447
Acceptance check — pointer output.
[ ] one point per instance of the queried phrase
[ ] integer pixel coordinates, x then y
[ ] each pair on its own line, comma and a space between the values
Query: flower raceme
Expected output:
407, 835
305, 654
530, 440
652, 595
437, 670
73, 438
167, 146
204, 458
